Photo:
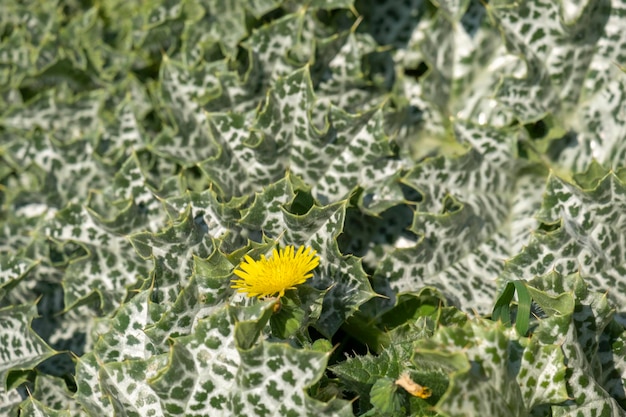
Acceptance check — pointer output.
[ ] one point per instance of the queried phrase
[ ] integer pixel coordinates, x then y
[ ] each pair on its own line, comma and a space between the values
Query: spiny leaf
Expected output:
65, 170
130, 204
207, 290
599, 123
273, 376
20, 347
188, 140
89, 393
587, 239
9, 400
271, 46
587, 374
344, 82
125, 338
12, 269
500, 383
245, 163
109, 267
63, 116
53, 392
209, 374
470, 199
125, 383
172, 252
33, 408
218, 219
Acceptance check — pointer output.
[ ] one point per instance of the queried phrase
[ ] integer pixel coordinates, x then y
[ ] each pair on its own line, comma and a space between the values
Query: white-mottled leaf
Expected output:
463, 225
587, 237
110, 265
20, 347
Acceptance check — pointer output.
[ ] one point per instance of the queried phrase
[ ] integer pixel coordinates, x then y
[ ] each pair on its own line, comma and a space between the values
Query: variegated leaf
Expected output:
214, 377
245, 163
219, 219
20, 347
580, 333
558, 54
581, 234
125, 338
188, 140
12, 269
109, 267
126, 385
33, 408
63, 117
470, 199
343, 82
89, 393
130, 204
64, 171
208, 289
493, 373
9, 400
351, 145
126, 132
172, 251
600, 125
53, 393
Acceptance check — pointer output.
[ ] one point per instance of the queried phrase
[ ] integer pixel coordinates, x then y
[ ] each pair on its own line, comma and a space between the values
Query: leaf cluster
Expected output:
457, 165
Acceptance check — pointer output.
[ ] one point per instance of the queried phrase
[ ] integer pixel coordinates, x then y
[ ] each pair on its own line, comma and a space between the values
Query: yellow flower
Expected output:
283, 271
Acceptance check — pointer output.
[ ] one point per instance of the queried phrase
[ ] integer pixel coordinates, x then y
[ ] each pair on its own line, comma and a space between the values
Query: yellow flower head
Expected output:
283, 271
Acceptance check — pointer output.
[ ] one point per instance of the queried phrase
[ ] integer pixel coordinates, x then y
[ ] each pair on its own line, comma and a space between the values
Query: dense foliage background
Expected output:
457, 165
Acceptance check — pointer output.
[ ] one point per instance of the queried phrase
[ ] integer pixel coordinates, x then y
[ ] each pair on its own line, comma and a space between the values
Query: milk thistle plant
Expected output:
312, 208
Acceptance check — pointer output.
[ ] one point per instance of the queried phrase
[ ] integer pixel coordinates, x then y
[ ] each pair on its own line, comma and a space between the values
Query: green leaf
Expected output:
360, 373
501, 310
523, 308
384, 398
298, 310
